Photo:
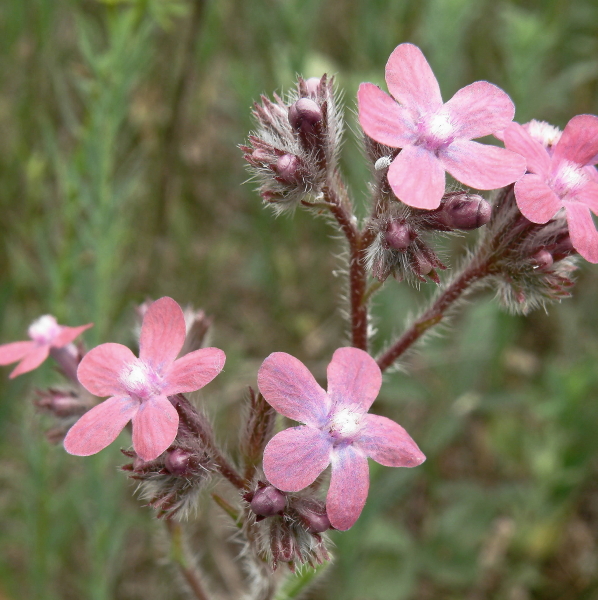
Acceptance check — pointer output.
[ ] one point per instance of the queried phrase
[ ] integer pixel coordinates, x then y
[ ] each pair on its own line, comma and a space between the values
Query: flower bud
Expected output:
268, 501
61, 403
179, 462
542, 259
304, 114
287, 167
398, 235
313, 85
464, 211
315, 522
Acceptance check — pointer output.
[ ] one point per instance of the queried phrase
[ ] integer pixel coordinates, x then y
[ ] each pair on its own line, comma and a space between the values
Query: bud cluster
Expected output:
296, 143
65, 405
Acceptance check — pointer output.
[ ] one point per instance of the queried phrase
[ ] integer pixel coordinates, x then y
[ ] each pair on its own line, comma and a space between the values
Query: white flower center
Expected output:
345, 423
545, 133
435, 131
44, 329
568, 178
140, 380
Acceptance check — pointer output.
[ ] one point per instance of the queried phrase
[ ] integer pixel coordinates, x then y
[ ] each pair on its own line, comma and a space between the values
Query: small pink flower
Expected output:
139, 387
337, 430
436, 137
561, 175
45, 334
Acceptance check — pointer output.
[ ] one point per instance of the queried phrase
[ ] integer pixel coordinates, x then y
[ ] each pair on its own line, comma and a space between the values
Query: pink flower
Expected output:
436, 137
337, 430
561, 175
45, 334
139, 387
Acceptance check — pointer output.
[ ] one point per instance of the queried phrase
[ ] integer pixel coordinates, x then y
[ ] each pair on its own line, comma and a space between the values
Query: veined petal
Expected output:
479, 109
388, 443
411, 81
535, 199
349, 485
295, 457
14, 351
417, 178
155, 426
68, 334
100, 370
480, 166
192, 371
584, 236
354, 379
31, 360
382, 118
162, 333
289, 387
588, 195
592, 172
100, 426
518, 140
579, 142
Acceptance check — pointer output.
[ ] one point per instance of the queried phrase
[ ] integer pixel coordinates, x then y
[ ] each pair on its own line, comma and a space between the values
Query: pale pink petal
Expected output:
68, 334
535, 199
383, 119
588, 195
289, 387
192, 371
579, 142
388, 443
411, 81
101, 368
162, 333
592, 172
31, 360
295, 457
480, 166
417, 178
14, 351
584, 236
518, 140
349, 485
100, 426
354, 379
479, 109
155, 426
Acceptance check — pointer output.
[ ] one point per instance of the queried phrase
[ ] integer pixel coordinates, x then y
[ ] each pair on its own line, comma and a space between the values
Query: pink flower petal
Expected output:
162, 333
479, 109
518, 140
480, 166
584, 236
388, 443
354, 379
295, 457
31, 361
535, 199
411, 81
289, 387
192, 371
592, 172
588, 195
68, 334
382, 118
579, 142
100, 426
349, 485
100, 370
155, 426
14, 351
417, 178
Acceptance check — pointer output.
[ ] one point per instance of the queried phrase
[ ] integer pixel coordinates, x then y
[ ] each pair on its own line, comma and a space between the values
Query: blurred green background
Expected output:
120, 180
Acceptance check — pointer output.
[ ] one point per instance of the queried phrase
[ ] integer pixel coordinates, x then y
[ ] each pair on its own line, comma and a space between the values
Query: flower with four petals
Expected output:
139, 387
337, 430
436, 137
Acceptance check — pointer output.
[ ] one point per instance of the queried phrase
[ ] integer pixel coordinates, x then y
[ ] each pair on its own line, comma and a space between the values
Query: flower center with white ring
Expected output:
44, 329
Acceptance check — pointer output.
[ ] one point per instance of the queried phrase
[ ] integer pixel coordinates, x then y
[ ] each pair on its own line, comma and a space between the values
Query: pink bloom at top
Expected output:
337, 430
561, 176
436, 137
139, 387
45, 334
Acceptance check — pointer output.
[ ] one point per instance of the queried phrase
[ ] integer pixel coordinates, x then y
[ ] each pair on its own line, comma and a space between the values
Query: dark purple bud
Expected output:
464, 211
398, 235
288, 168
61, 403
179, 462
542, 259
268, 501
304, 114
562, 248
316, 522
